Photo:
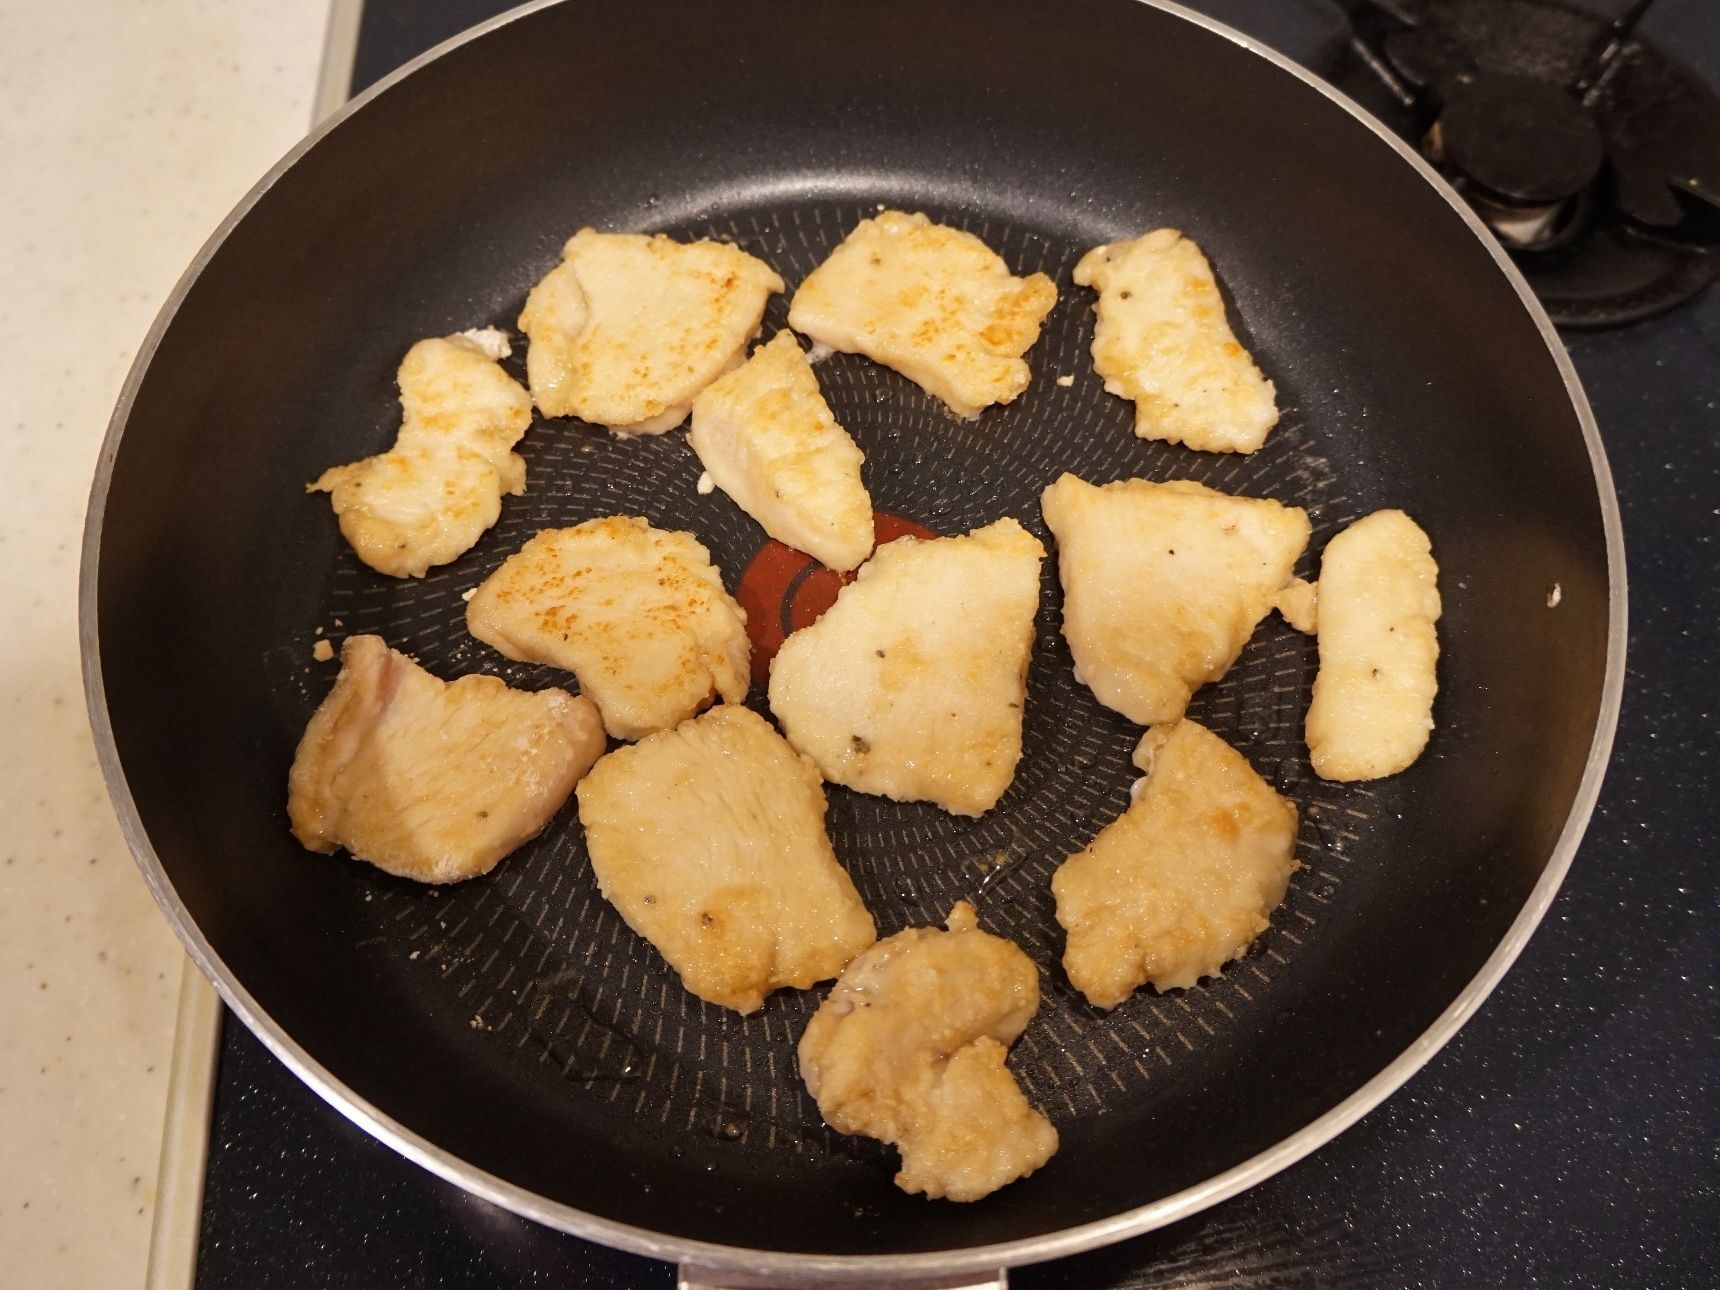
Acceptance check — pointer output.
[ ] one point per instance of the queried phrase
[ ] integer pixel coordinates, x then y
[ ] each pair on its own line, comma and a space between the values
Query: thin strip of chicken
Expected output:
1372, 710
768, 440
1164, 583
638, 614
434, 780
911, 685
934, 303
710, 841
1185, 879
1162, 340
909, 1048
433, 494
628, 328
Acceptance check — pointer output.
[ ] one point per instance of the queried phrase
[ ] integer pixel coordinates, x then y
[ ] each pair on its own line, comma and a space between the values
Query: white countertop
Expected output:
127, 130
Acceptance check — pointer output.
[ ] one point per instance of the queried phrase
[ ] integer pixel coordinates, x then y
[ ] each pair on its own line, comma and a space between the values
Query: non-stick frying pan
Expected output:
511, 1033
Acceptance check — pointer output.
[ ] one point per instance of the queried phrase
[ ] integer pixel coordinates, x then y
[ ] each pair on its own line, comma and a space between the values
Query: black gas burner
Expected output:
1593, 156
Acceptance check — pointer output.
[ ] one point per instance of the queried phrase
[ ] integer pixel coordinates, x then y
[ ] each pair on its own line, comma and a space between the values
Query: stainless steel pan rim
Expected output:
779, 1266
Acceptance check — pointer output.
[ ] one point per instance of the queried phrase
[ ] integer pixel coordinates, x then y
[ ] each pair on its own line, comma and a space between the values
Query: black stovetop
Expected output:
1569, 1135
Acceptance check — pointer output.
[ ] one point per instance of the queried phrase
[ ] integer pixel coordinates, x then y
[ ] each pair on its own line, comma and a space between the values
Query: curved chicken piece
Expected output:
909, 1048
432, 495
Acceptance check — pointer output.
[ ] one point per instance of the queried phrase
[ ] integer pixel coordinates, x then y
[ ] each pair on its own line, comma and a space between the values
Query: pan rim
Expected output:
777, 1266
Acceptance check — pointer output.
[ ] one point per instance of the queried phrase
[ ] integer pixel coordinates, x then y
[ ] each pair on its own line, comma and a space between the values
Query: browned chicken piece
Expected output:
933, 302
429, 779
710, 840
433, 494
1185, 879
909, 1048
637, 613
628, 328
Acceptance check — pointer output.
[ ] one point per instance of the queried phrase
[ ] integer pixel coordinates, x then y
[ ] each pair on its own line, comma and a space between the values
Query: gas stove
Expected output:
1566, 1136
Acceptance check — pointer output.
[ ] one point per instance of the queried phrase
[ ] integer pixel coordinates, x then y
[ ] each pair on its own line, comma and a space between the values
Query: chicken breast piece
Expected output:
433, 494
1299, 605
1164, 583
1185, 879
628, 329
1372, 709
434, 780
909, 1048
709, 838
638, 614
768, 440
934, 303
1163, 341
911, 685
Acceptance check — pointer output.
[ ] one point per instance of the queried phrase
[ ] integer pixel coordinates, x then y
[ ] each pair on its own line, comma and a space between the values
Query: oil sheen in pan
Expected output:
537, 961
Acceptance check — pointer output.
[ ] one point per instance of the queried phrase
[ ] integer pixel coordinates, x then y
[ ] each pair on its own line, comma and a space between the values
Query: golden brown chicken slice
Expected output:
638, 614
432, 495
1185, 879
933, 302
710, 840
1163, 341
628, 329
1164, 583
429, 779
909, 1048
1372, 710
768, 439
911, 685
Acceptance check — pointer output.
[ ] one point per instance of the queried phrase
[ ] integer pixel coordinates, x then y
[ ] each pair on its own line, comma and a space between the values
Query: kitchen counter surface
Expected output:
126, 132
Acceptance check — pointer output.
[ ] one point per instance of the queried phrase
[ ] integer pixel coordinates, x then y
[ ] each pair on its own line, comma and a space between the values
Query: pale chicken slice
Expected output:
1299, 605
768, 439
1162, 340
1372, 710
434, 780
1164, 583
1185, 879
909, 1048
710, 840
432, 495
934, 303
628, 328
638, 614
911, 685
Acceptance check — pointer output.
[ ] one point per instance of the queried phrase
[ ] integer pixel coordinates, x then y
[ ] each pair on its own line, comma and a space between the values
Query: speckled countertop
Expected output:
126, 133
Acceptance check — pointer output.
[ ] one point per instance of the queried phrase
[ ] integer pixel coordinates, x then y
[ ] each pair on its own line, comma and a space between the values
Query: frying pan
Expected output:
510, 1033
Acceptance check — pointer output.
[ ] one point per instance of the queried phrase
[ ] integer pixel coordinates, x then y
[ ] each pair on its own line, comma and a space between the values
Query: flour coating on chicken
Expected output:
432, 495
710, 840
909, 1048
628, 328
934, 303
1164, 583
911, 685
1372, 710
434, 780
638, 614
768, 439
1185, 879
1162, 340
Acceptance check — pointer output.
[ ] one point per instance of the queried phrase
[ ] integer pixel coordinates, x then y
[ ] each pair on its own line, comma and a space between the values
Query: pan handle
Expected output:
692, 1277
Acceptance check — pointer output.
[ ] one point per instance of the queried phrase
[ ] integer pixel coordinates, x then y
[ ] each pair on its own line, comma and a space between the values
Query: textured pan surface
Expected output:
515, 1022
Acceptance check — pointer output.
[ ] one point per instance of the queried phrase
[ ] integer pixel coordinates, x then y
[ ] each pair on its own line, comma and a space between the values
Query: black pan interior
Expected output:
515, 1021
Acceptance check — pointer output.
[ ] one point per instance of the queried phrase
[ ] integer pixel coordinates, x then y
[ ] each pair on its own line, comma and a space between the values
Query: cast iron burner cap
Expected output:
1522, 142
